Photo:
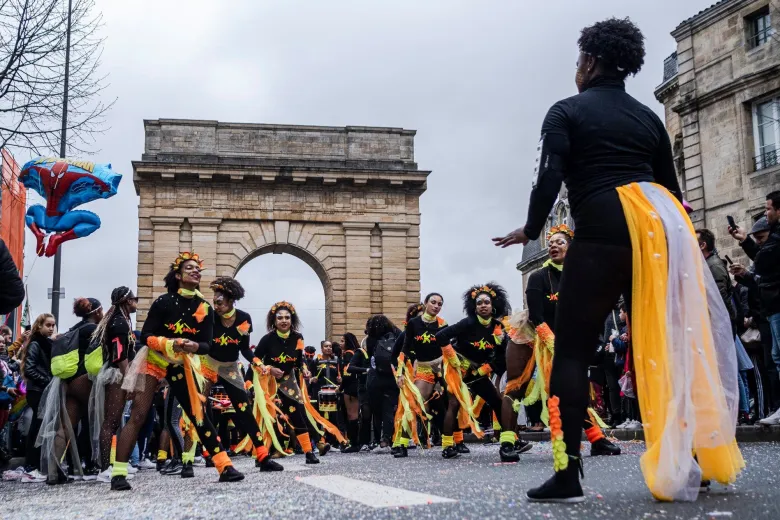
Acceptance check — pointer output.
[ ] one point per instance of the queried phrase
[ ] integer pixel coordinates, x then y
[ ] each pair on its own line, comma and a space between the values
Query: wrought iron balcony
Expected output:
765, 160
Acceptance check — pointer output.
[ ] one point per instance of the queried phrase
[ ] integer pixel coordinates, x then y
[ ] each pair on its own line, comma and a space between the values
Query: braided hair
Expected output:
228, 286
617, 42
498, 298
119, 298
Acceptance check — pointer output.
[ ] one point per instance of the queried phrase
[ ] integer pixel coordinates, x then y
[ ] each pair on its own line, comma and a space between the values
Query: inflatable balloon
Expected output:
65, 184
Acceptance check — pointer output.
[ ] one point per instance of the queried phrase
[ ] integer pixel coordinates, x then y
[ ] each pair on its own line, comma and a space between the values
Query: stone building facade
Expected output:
721, 95
343, 199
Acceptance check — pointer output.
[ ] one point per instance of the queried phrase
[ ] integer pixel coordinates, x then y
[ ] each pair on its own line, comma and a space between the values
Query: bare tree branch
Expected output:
32, 76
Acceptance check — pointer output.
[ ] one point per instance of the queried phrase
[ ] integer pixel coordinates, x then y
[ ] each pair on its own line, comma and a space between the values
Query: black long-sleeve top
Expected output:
358, 364
11, 286
281, 353
227, 342
541, 293
597, 141
174, 316
766, 262
420, 341
118, 336
476, 342
327, 371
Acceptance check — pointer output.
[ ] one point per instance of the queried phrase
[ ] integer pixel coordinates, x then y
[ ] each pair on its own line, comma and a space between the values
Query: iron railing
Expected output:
765, 160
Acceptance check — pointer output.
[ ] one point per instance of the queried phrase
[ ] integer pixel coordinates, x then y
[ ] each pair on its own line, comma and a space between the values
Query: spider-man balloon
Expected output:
65, 184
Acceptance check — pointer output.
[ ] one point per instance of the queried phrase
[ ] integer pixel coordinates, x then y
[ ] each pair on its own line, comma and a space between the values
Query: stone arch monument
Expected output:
345, 200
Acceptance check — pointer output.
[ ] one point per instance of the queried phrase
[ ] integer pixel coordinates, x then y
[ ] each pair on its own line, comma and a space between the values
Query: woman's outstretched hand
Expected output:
515, 237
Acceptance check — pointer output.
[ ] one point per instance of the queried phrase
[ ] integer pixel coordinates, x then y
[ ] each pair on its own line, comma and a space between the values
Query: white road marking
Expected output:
370, 494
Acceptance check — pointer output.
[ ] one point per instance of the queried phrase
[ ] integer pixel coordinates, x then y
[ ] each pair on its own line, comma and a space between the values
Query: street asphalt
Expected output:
351, 487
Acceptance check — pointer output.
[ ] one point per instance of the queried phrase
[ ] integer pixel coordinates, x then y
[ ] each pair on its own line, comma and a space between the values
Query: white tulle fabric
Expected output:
698, 324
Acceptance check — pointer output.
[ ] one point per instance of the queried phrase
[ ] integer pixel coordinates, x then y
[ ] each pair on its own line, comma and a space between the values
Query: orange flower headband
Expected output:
563, 228
283, 305
183, 257
483, 289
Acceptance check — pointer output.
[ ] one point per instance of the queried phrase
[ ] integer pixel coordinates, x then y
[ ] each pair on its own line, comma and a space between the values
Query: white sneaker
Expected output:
634, 426
105, 476
146, 464
34, 477
131, 470
199, 461
622, 426
13, 474
772, 419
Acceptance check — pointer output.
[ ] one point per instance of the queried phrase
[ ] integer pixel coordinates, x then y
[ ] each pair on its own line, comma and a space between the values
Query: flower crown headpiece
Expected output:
183, 257
483, 289
563, 228
283, 305
217, 287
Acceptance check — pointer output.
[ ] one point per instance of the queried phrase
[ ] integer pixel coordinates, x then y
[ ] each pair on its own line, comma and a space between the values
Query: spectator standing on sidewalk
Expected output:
766, 260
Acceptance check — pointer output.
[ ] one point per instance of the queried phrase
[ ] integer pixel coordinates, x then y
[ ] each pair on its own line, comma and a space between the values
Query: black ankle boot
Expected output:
120, 484
603, 447
230, 474
187, 471
450, 452
311, 458
462, 448
563, 488
507, 453
268, 465
401, 452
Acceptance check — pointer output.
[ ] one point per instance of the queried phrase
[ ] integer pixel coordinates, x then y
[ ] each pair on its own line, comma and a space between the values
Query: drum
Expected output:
328, 399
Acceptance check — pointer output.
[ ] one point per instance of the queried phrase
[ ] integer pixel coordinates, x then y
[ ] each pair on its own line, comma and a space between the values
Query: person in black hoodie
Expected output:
11, 286
36, 369
382, 388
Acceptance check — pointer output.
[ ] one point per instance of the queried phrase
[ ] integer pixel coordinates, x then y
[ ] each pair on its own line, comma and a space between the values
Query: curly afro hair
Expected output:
378, 325
497, 295
270, 320
617, 42
229, 287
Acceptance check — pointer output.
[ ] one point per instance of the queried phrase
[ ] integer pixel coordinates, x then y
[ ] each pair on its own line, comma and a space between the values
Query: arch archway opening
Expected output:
269, 278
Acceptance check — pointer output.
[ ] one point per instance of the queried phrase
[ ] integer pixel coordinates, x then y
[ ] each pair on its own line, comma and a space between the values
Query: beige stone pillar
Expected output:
204, 242
394, 266
165, 233
358, 293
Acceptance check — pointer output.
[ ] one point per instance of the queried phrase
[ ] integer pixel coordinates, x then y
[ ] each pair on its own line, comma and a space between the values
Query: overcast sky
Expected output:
473, 78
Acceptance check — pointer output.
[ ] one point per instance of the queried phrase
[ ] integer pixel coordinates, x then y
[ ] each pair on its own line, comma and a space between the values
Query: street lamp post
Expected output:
55, 288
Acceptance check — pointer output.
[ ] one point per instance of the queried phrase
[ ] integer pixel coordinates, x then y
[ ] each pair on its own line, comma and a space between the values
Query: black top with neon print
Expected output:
278, 352
227, 342
475, 341
327, 371
420, 339
118, 335
542, 295
174, 316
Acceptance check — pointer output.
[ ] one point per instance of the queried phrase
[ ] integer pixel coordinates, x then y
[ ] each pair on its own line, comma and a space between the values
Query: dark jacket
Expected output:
37, 363
766, 260
621, 347
11, 286
721, 275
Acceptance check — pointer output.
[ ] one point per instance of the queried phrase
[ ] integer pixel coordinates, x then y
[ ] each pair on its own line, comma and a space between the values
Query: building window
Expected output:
759, 28
766, 129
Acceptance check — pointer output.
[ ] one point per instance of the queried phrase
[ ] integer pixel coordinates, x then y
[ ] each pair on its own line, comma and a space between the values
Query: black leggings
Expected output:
296, 413
178, 390
31, 453
383, 396
243, 419
595, 274
483, 387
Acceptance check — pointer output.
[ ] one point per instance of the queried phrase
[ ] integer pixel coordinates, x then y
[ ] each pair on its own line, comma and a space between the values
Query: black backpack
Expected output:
383, 353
